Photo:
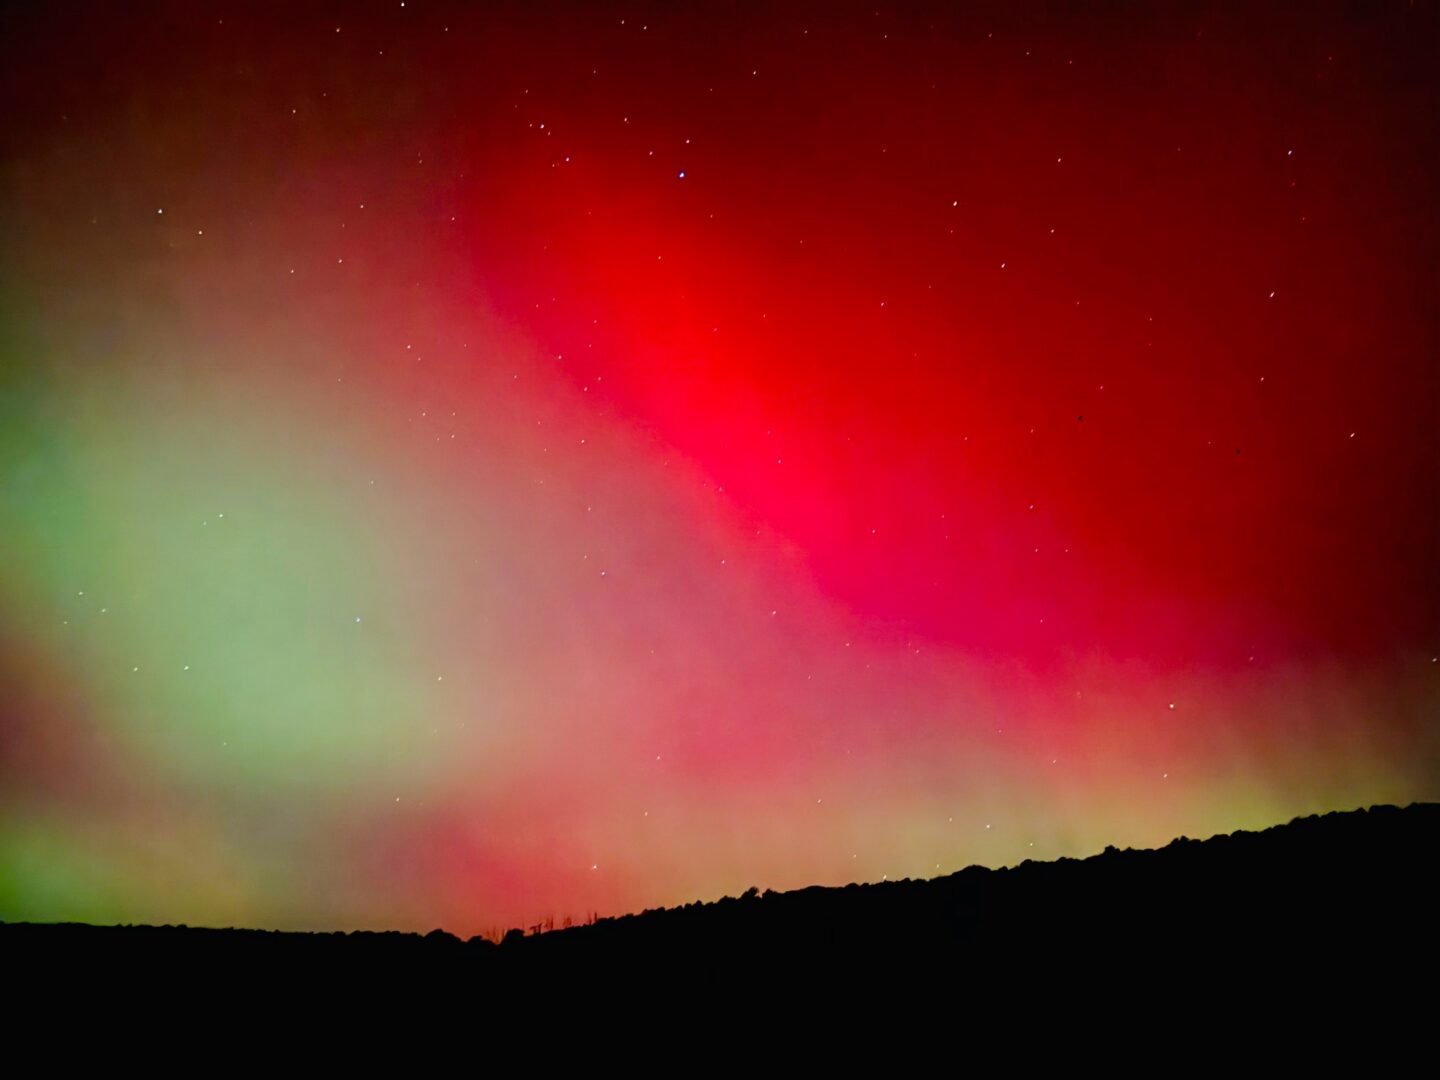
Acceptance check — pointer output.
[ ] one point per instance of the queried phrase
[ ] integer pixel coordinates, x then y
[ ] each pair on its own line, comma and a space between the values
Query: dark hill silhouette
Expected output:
1340, 893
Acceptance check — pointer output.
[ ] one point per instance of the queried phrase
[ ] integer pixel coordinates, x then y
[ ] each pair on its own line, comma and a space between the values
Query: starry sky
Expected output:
468, 464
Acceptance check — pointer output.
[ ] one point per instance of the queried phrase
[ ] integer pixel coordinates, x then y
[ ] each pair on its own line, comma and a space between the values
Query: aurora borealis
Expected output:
468, 464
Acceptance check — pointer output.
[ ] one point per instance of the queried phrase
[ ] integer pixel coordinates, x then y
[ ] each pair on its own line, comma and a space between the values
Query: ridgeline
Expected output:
1349, 891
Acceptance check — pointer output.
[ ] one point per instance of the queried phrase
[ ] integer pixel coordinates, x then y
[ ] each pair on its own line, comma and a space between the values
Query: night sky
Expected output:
464, 464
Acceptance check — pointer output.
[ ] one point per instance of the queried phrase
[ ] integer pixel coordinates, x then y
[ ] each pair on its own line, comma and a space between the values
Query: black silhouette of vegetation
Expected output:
1348, 891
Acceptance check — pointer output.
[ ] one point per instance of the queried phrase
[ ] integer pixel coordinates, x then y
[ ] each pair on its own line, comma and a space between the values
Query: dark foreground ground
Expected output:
1341, 903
